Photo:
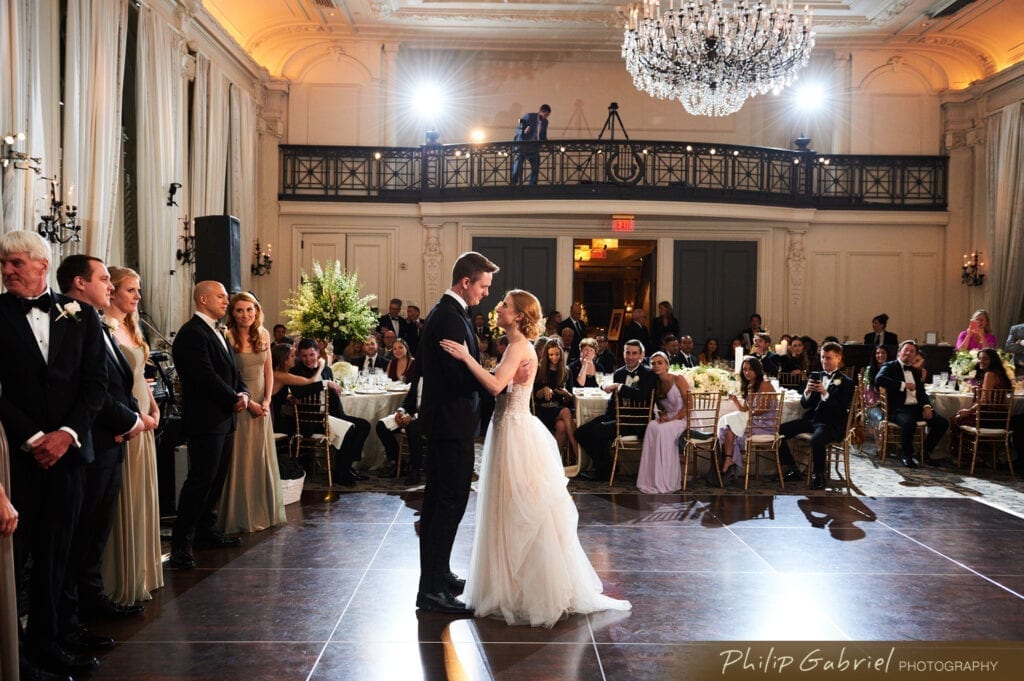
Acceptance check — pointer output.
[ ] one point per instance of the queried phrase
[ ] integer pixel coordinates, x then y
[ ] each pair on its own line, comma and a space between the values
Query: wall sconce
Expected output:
20, 160
187, 253
972, 274
60, 225
261, 261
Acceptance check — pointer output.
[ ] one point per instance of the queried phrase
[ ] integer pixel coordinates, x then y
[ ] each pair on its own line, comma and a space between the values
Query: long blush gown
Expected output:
659, 462
527, 564
251, 499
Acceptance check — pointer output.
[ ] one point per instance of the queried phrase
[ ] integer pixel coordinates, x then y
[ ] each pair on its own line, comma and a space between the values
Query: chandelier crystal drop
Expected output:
712, 58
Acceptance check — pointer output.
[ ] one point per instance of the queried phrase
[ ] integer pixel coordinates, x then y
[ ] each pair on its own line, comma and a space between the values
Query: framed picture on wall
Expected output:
615, 325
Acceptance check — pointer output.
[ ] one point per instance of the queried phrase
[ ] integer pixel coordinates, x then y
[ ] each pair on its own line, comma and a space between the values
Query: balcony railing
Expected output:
657, 171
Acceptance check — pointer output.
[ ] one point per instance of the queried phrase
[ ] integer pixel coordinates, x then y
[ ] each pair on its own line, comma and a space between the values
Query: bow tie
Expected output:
43, 302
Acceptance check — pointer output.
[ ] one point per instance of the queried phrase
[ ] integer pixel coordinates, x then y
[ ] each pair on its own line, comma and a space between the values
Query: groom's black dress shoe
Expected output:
442, 602
81, 640
102, 606
32, 673
56, 658
212, 539
456, 585
181, 560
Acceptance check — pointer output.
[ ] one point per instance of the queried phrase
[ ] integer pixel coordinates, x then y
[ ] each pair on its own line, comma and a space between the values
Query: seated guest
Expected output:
279, 335
583, 371
685, 356
732, 428
659, 471
763, 351
811, 350
402, 366
827, 399
552, 395
709, 353
353, 351
670, 346
351, 430
387, 338
919, 363
480, 325
403, 419
991, 375
746, 336
500, 347
873, 415
605, 360
371, 359
878, 335
978, 333
633, 382
794, 362
908, 404
282, 357
484, 354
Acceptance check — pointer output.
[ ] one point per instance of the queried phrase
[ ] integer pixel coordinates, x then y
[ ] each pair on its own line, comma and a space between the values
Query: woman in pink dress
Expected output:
659, 462
732, 427
978, 333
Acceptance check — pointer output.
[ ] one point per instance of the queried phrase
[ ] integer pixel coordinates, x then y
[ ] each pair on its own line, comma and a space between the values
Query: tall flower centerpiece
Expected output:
327, 305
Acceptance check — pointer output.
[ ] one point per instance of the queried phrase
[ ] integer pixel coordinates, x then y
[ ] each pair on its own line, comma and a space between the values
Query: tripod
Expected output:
609, 123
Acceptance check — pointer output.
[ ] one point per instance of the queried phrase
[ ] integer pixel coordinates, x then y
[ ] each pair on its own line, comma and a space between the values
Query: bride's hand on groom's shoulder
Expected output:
457, 350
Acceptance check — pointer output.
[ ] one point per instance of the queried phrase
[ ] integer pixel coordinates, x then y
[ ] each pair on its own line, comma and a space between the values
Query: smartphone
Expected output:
814, 376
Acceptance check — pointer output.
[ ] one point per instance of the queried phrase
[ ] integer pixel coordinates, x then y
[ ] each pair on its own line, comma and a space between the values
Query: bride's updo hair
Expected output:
527, 303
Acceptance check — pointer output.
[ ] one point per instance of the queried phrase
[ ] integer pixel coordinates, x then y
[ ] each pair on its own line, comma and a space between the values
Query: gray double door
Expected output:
714, 289
525, 263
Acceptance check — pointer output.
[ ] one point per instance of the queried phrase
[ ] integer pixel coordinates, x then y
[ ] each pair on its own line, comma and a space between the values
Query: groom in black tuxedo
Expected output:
449, 415
827, 401
54, 379
86, 279
212, 395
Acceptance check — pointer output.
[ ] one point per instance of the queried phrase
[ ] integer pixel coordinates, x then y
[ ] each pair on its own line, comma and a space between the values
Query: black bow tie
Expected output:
43, 302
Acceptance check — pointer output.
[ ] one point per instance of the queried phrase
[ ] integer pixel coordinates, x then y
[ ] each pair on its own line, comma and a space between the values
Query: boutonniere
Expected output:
110, 324
69, 310
222, 327
836, 381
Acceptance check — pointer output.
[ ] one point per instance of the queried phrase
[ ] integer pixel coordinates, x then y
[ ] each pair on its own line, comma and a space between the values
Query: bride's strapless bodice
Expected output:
515, 400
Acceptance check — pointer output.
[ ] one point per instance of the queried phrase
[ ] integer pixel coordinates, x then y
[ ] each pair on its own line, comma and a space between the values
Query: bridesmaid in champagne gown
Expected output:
251, 500
132, 559
8, 593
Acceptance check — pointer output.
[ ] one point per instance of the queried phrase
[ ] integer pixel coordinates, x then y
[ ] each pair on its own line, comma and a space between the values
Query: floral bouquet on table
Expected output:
709, 379
345, 373
964, 363
328, 305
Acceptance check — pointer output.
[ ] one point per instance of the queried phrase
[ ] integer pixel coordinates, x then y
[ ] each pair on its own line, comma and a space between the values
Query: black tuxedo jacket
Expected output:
641, 391
120, 408
412, 337
334, 406
574, 371
834, 410
636, 331
378, 363
451, 399
891, 377
210, 381
43, 395
385, 323
888, 338
682, 359
409, 403
605, 362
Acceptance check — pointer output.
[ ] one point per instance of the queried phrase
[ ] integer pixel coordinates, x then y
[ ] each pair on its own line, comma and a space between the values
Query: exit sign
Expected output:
622, 223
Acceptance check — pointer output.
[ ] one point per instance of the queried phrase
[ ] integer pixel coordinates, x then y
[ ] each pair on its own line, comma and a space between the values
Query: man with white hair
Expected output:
54, 377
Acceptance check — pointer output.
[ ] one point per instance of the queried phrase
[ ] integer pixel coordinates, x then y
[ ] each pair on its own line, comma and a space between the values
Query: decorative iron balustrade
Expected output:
578, 169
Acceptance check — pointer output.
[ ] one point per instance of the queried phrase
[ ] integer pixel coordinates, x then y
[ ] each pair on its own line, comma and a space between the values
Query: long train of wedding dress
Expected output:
527, 563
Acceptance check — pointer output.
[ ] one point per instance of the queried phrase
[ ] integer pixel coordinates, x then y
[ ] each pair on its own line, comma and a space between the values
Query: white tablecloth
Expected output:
372, 408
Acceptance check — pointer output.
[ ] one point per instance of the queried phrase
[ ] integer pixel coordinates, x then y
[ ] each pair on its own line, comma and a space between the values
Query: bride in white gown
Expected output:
527, 563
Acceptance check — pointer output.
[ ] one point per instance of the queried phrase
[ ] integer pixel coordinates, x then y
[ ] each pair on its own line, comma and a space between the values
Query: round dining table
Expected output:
373, 405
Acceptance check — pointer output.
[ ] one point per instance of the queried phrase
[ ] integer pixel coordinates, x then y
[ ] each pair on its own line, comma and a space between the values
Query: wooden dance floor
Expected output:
331, 594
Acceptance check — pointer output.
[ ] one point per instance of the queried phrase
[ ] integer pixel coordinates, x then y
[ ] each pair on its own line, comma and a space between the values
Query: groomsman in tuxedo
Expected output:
86, 279
213, 394
632, 381
54, 375
827, 399
413, 328
685, 355
449, 415
908, 404
371, 358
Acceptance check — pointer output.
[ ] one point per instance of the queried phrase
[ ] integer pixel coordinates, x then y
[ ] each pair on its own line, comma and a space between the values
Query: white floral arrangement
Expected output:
709, 379
110, 324
344, 370
328, 305
964, 363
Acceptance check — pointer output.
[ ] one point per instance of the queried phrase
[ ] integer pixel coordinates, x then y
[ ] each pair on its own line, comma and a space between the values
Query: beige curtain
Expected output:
1005, 229
158, 78
93, 84
242, 174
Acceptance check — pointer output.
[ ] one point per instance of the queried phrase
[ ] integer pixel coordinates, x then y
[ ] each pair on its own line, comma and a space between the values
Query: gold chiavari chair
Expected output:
762, 438
631, 419
992, 409
700, 439
311, 428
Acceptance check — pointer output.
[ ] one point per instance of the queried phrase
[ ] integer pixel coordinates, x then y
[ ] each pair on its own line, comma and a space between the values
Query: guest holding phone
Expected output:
978, 333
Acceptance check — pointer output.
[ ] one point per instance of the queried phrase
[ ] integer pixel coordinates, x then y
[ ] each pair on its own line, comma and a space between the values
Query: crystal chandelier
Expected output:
712, 58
